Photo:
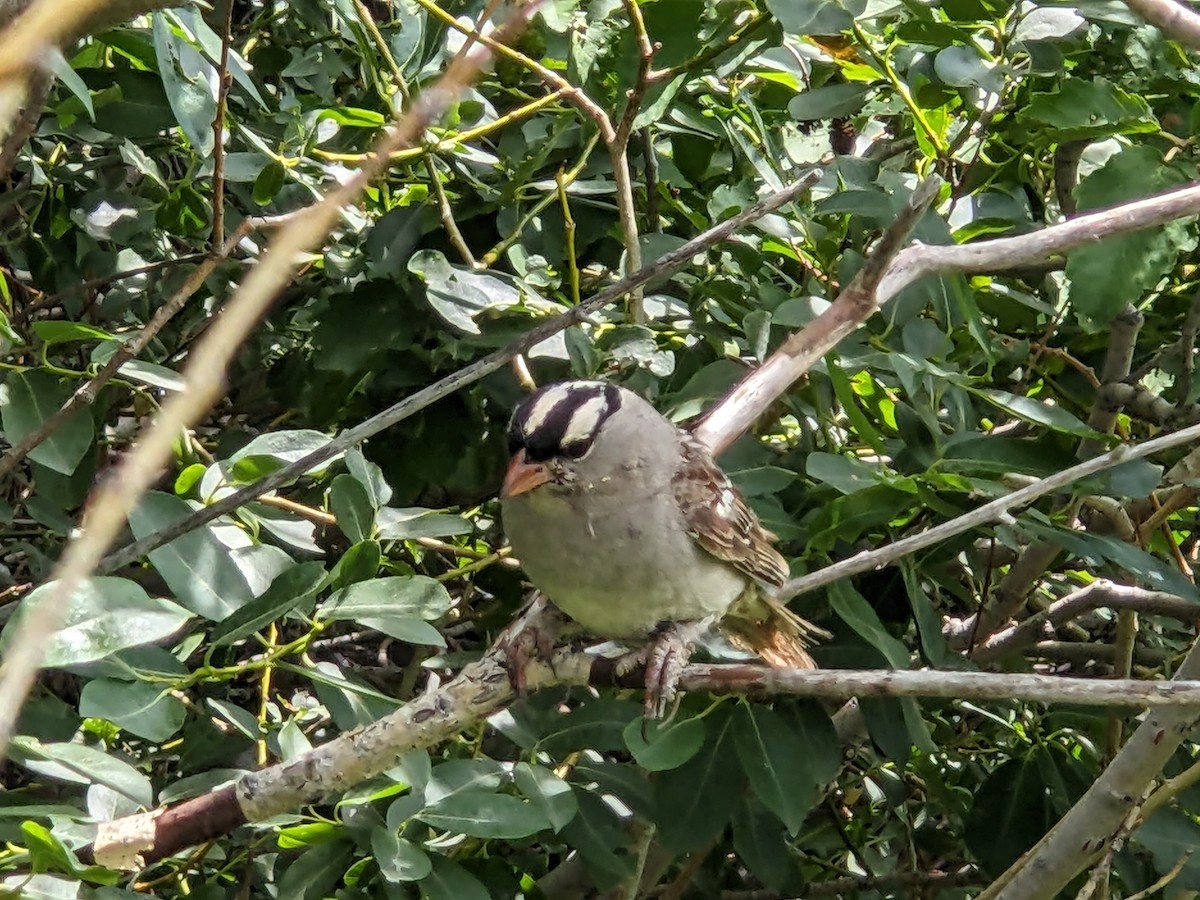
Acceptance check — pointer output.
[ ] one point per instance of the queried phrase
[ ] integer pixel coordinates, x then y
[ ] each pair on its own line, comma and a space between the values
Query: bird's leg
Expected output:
539, 627
664, 657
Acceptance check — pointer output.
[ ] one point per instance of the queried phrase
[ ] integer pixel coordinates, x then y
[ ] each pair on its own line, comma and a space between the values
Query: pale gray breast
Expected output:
612, 552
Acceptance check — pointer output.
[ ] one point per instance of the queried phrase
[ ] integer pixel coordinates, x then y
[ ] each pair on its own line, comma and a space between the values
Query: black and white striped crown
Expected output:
562, 419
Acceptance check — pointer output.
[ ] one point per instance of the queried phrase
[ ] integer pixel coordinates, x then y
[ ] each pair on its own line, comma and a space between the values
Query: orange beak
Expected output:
522, 476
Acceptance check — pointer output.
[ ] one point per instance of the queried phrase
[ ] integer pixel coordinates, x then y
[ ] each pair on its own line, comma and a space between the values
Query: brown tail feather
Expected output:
764, 626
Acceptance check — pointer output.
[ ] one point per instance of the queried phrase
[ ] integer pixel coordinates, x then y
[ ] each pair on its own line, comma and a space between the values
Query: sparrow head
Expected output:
554, 429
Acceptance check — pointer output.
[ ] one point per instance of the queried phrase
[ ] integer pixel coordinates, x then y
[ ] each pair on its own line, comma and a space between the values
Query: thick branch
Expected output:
1090, 824
484, 687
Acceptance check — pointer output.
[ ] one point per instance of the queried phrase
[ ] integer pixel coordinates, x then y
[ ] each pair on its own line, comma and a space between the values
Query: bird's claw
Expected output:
664, 658
535, 641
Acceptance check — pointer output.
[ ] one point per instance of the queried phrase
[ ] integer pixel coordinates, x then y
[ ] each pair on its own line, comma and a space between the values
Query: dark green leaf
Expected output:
197, 566
27, 399
478, 814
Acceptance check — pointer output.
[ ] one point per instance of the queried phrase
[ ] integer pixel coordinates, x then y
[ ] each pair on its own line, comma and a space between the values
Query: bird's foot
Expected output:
539, 629
664, 657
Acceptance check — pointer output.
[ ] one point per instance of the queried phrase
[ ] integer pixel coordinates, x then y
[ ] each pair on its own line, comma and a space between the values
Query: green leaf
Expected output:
290, 590
398, 860
399, 606
459, 294
598, 725
371, 477
1052, 417
138, 707
269, 452
846, 474
197, 566
856, 612
760, 841
1170, 835
57, 63
60, 332
828, 102
1009, 814
189, 81
813, 16
27, 399
48, 854
1104, 275
353, 117
269, 183
484, 815
457, 776
80, 764
415, 522
600, 840
153, 375
104, 615
450, 881
549, 793
697, 799
774, 760
359, 563
1077, 110
664, 747
314, 872
351, 504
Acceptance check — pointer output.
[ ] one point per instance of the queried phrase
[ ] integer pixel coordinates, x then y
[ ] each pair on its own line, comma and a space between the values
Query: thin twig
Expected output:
53, 300
224, 81
996, 510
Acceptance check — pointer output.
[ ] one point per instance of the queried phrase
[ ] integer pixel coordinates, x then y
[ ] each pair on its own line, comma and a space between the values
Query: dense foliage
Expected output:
319, 609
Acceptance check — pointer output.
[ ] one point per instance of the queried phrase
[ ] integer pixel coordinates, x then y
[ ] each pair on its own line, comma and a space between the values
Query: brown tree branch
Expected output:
1096, 595
484, 687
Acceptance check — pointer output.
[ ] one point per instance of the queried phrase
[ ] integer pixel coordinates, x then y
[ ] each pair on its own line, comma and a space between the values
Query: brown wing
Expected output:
721, 522
719, 519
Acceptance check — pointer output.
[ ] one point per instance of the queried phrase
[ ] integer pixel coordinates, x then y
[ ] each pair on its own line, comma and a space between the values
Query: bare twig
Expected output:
739, 409
1096, 595
224, 80
92, 284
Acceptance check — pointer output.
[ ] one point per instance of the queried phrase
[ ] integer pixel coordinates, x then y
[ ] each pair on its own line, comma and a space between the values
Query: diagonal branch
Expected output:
739, 409
994, 511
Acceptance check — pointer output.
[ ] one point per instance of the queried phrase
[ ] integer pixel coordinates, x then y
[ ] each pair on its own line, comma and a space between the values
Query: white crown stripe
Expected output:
582, 424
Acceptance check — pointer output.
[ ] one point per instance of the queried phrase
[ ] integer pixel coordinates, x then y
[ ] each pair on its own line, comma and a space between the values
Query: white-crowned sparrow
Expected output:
632, 529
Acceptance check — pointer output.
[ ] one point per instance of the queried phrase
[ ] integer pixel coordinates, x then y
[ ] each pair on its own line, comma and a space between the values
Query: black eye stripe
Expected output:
562, 419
